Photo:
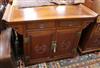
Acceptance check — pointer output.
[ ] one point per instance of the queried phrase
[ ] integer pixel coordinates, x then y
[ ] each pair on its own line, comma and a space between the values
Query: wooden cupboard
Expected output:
50, 41
49, 35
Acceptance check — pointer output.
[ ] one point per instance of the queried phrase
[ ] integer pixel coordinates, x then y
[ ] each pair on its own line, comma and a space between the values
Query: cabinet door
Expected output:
40, 44
93, 43
67, 41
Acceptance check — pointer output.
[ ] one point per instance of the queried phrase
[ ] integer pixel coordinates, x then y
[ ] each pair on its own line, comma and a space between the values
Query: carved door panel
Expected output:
93, 43
67, 40
40, 44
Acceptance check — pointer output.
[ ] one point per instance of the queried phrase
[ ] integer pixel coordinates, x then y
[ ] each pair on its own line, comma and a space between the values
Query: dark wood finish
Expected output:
49, 35
18, 27
92, 42
40, 43
67, 41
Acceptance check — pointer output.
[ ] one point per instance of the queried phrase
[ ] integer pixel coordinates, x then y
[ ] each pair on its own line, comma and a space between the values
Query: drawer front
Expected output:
18, 28
69, 24
40, 25
39, 44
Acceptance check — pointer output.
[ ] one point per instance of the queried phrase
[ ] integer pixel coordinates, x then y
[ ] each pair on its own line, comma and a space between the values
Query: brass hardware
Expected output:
26, 40
98, 29
98, 19
79, 33
54, 46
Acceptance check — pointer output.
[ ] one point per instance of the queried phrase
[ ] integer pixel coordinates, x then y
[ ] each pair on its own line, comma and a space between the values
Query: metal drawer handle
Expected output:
54, 46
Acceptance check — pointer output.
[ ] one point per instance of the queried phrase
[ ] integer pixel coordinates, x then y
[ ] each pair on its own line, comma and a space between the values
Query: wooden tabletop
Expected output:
15, 14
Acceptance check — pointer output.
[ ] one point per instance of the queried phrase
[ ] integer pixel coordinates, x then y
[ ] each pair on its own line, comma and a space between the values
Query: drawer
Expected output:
18, 28
69, 24
40, 25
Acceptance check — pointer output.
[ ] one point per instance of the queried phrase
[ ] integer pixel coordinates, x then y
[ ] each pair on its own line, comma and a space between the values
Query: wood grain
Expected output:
15, 14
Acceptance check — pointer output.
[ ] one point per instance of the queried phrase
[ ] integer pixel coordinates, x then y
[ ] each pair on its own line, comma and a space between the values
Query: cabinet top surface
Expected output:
15, 14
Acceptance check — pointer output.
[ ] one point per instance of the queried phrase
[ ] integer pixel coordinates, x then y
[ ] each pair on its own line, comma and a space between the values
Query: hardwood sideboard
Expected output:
50, 32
